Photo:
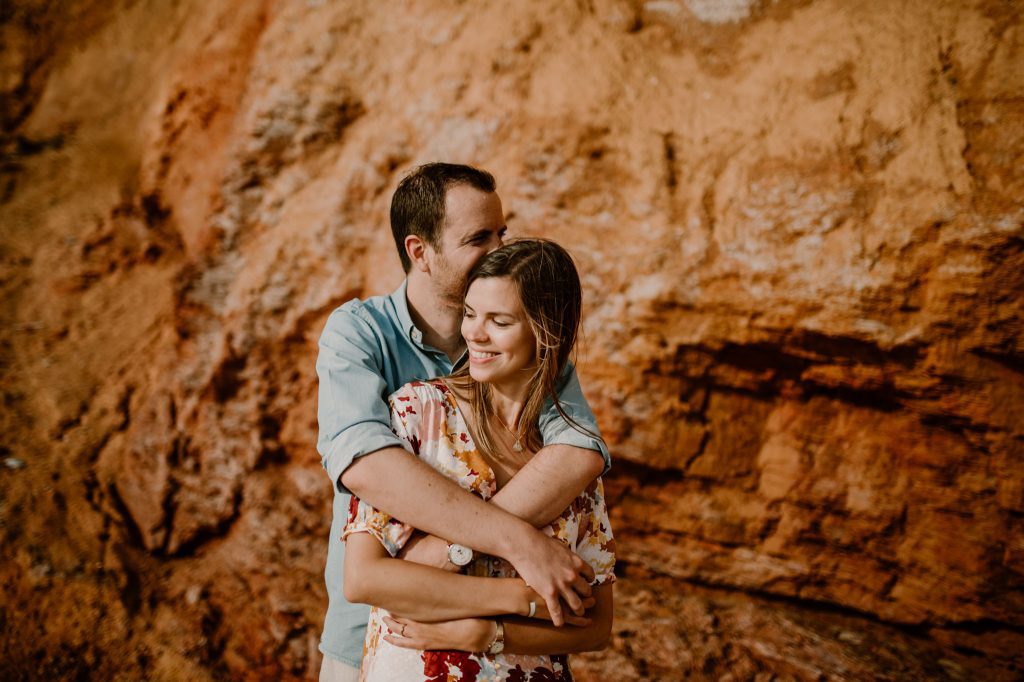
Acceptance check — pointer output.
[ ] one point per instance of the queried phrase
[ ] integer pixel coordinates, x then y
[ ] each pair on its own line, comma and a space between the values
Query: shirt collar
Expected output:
401, 306
400, 301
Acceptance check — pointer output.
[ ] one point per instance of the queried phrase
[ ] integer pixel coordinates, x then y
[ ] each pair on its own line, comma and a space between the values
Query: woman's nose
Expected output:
473, 330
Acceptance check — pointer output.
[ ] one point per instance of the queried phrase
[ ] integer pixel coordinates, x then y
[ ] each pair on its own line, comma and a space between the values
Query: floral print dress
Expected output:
426, 416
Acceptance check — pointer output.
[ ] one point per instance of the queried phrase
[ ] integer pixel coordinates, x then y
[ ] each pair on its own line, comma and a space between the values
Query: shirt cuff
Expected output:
572, 437
354, 442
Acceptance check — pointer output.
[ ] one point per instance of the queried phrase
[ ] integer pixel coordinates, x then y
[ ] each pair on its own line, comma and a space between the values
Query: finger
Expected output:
582, 587
578, 621
407, 642
572, 600
554, 610
396, 624
585, 570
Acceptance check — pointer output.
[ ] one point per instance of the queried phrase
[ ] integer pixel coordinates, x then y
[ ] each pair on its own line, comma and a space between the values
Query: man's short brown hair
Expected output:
417, 206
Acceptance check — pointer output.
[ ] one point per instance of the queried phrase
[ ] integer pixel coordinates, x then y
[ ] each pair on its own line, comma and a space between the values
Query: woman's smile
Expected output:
481, 355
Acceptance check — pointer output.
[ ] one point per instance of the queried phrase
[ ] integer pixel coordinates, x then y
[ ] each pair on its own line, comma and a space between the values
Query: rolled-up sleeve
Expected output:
556, 430
406, 412
352, 410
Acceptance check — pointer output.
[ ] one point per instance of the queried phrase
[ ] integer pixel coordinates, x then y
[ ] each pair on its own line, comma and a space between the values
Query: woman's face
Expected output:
502, 347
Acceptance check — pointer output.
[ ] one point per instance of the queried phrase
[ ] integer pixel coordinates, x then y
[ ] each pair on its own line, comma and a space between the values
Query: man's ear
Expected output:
416, 249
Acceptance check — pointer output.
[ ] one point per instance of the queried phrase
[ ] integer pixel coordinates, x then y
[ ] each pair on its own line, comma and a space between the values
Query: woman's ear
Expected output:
416, 249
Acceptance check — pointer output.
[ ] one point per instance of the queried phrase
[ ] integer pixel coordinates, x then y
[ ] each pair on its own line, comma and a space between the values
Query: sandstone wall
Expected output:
801, 230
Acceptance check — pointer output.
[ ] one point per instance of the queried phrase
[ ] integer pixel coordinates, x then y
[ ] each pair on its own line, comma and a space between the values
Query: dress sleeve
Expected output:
406, 421
595, 543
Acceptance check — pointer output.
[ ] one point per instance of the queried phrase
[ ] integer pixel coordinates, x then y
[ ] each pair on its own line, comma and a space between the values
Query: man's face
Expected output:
474, 226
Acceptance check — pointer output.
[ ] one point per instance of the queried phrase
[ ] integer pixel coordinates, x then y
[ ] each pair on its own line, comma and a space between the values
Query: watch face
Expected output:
459, 555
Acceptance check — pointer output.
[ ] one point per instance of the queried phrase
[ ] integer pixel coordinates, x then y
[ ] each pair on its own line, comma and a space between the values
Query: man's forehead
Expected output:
469, 214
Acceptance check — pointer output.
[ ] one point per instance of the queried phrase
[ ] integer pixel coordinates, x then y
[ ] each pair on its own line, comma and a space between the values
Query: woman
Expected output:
479, 427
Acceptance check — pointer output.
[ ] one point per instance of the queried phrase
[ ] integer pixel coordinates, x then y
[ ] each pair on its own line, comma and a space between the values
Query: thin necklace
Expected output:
516, 447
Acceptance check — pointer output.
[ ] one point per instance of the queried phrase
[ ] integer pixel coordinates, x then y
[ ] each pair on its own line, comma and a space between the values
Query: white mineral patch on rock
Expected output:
720, 11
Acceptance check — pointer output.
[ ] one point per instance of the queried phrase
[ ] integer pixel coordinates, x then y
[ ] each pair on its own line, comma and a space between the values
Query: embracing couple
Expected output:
468, 509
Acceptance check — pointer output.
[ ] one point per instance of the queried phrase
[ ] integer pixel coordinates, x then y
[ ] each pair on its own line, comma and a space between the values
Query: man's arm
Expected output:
564, 467
550, 481
394, 481
361, 453
372, 576
537, 494
596, 545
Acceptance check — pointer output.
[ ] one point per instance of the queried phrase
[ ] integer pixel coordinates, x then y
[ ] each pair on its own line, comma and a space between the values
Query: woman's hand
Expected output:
467, 634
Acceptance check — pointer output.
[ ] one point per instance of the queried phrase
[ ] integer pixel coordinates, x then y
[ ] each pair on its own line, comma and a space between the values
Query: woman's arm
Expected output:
429, 594
522, 636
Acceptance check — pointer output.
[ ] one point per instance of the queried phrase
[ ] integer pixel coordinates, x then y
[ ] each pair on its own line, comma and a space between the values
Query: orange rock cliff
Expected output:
800, 226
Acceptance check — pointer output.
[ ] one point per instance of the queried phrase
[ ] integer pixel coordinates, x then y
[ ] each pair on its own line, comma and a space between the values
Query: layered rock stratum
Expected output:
801, 230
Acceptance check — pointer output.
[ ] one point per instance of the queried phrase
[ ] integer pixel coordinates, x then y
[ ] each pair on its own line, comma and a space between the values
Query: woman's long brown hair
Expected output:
549, 290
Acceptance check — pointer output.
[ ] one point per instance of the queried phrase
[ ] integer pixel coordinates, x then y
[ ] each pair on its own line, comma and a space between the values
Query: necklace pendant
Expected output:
516, 447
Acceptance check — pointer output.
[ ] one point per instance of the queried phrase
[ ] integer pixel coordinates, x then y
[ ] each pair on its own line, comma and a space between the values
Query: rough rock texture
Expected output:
801, 230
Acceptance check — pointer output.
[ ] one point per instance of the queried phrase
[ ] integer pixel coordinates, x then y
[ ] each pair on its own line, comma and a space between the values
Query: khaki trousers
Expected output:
336, 671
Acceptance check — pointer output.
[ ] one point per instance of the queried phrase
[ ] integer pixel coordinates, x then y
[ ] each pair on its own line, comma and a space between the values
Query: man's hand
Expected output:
554, 573
570, 618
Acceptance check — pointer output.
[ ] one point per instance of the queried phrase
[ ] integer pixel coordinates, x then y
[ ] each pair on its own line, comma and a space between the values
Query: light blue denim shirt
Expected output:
368, 350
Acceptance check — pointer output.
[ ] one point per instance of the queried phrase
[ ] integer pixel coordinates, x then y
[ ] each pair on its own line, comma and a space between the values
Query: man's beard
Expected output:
449, 285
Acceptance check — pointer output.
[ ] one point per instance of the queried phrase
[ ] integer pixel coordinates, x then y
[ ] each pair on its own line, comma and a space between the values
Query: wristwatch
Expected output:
460, 555
498, 643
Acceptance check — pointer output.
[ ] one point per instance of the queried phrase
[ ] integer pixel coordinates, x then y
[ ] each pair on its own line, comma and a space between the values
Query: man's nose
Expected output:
497, 241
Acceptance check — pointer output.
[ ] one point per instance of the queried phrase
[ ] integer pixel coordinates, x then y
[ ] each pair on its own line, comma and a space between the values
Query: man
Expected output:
445, 218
